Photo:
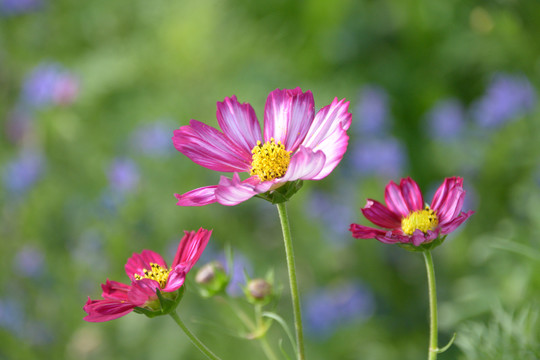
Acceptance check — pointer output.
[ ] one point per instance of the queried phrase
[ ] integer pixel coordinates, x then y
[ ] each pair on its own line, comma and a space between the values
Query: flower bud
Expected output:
212, 279
259, 291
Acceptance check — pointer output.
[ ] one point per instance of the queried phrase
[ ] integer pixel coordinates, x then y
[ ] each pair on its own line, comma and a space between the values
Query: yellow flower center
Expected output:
422, 220
155, 273
269, 160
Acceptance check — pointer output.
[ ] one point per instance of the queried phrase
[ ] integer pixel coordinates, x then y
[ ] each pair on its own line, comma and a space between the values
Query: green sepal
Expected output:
167, 305
282, 193
424, 246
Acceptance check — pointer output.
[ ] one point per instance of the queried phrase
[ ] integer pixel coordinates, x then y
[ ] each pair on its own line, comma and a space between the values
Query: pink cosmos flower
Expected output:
406, 217
295, 144
148, 273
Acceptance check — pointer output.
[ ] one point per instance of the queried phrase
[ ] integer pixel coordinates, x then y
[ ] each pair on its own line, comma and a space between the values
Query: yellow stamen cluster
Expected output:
269, 160
422, 220
156, 273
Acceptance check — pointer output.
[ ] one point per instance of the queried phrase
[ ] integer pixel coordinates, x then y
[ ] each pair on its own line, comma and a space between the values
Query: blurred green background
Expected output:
91, 92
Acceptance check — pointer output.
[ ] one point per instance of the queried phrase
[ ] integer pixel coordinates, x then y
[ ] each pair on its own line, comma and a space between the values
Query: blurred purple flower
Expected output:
372, 111
11, 316
29, 262
123, 175
241, 265
507, 97
16, 7
329, 308
49, 84
23, 172
154, 139
446, 119
380, 157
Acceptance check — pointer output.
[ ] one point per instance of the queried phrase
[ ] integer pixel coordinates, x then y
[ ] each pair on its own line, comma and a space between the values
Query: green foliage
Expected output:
507, 335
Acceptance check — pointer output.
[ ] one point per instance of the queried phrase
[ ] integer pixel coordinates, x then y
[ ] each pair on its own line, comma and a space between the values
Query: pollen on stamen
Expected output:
269, 160
156, 273
422, 220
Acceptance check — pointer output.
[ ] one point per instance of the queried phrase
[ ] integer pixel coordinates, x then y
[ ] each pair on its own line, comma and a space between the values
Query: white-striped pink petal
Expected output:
210, 148
239, 123
234, 191
328, 133
288, 115
198, 197
305, 165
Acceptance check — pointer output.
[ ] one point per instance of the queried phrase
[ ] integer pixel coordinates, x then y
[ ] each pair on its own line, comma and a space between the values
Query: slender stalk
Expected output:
289, 253
267, 349
194, 339
433, 347
253, 328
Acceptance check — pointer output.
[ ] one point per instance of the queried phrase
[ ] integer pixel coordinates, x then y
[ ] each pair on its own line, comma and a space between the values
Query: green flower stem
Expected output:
195, 340
267, 349
433, 347
289, 253
253, 328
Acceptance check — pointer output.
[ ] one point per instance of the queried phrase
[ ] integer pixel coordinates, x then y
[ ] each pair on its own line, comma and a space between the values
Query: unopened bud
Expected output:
212, 279
207, 273
259, 289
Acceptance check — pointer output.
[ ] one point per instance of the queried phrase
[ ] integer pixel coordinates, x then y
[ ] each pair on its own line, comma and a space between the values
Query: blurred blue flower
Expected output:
154, 139
49, 84
507, 97
329, 308
29, 262
446, 120
123, 175
16, 7
241, 265
12, 316
23, 172
372, 111
380, 157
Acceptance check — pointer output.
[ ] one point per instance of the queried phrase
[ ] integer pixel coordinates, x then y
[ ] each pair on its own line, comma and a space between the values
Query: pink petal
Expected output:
364, 232
198, 197
390, 238
114, 290
379, 214
454, 223
176, 278
138, 262
452, 205
239, 123
328, 133
305, 165
394, 199
210, 148
105, 310
412, 195
442, 192
142, 291
233, 191
288, 114
191, 247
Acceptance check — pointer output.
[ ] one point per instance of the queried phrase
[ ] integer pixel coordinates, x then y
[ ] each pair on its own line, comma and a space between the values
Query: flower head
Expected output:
408, 220
296, 144
151, 281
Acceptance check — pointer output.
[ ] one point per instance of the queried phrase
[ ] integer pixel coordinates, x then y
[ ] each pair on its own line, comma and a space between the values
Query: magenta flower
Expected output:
407, 219
296, 144
149, 274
